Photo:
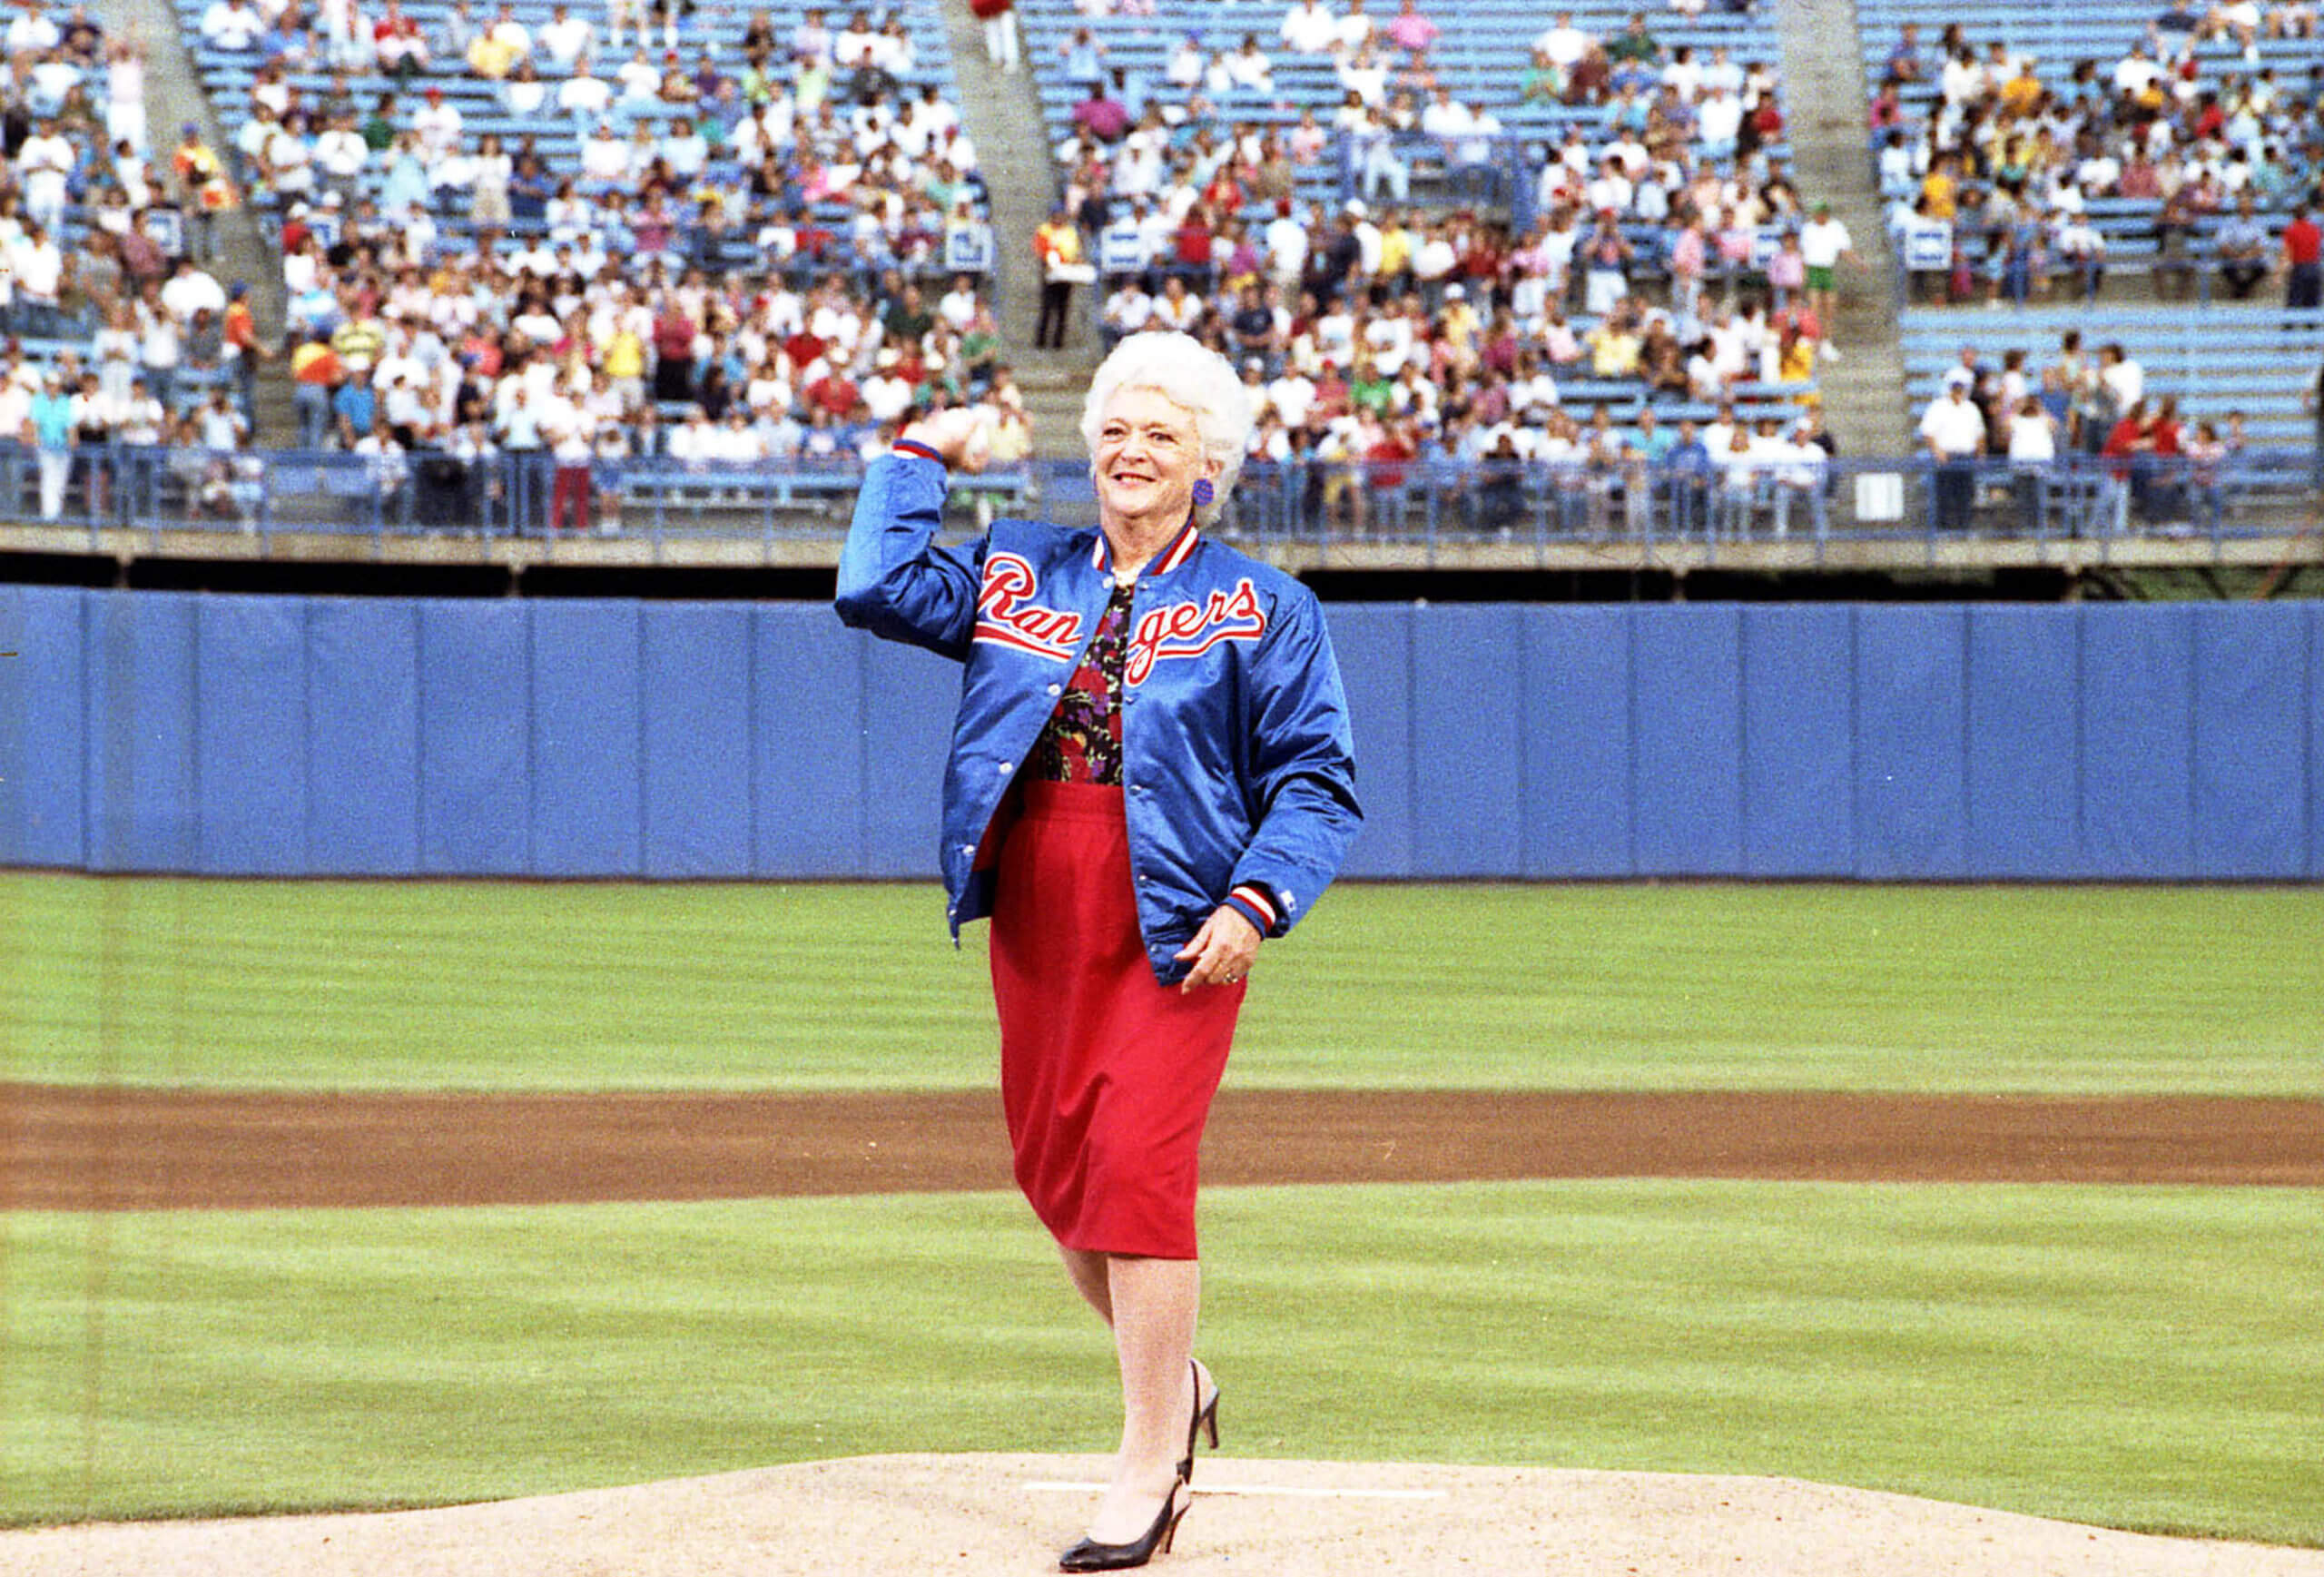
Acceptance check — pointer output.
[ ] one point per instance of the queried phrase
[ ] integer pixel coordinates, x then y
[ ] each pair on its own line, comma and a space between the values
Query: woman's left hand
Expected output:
1222, 949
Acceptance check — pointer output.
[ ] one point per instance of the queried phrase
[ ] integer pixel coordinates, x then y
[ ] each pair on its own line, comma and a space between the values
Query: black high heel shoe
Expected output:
1089, 1556
1206, 1423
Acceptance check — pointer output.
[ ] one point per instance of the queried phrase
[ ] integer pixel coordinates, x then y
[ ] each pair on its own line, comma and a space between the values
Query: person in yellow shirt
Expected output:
358, 342
1796, 360
1396, 244
1942, 189
1057, 245
492, 56
2021, 93
623, 362
1614, 346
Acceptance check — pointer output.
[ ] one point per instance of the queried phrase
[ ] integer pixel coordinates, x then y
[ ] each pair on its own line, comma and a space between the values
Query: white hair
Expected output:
1189, 375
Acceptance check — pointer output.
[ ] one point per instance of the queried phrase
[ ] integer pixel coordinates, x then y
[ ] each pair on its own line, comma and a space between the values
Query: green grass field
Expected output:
359, 986
2144, 1357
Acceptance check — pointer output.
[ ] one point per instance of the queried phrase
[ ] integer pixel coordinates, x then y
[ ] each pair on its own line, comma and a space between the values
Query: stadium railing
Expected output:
1423, 502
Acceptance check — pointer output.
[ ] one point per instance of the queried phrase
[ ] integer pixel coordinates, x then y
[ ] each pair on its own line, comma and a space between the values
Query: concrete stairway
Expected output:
174, 96
1824, 99
1003, 118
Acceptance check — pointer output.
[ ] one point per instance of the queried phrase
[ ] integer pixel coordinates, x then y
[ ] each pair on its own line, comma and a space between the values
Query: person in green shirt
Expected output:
380, 125
1634, 43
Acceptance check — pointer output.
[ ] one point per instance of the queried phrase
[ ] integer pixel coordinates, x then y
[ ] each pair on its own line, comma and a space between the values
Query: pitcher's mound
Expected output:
1010, 1514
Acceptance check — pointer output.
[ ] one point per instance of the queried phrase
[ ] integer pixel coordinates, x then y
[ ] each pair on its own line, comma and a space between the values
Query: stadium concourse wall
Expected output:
284, 736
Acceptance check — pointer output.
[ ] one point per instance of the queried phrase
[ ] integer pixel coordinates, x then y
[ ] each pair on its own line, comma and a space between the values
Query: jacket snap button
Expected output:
1056, 690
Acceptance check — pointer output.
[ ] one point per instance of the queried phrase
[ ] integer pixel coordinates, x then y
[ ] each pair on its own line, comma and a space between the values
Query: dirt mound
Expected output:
1010, 1514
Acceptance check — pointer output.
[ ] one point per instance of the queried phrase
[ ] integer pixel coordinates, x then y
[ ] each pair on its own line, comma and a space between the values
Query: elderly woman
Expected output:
1150, 773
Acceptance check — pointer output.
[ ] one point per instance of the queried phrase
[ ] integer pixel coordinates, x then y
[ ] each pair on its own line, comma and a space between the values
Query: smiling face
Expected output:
1147, 460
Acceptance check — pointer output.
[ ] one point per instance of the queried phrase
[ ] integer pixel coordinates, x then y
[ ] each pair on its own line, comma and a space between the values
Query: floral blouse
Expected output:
1083, 741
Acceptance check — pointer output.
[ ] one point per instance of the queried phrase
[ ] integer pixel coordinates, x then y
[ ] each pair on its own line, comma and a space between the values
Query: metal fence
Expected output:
1425, 501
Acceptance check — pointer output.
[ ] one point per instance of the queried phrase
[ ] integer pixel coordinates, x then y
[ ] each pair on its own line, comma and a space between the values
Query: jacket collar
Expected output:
1175, 552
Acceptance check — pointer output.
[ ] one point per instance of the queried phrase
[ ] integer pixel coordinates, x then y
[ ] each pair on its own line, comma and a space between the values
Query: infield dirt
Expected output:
111, 1148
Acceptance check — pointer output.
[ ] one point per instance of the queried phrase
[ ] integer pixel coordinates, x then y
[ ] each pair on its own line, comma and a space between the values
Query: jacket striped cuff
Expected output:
1257, 905
915, 448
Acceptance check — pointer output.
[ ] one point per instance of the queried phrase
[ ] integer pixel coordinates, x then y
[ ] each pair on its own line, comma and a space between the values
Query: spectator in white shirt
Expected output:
1286, 245
1447, 116
886, 394
2137, 71
566, 39
2124, 379
1361, 73
1248, 67
1355, 29
856, 44
1128, 310
190, 290
684, 149
1185, 67
1953, 428
605, 160
232, 24
340, 156
35, 266
586, 95
44, 162
1718, 122
32, 32
438, 125
1177, 307
1564, 43
1308, 28
641, 81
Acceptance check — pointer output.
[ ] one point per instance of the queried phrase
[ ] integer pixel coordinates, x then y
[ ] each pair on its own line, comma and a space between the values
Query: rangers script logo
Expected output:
1006, 617
1188, 629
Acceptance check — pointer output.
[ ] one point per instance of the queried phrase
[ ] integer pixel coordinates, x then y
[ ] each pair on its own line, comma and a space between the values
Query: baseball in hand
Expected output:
958, 434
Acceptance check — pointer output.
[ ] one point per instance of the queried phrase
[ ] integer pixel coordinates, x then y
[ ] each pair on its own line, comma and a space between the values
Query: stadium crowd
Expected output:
1992, 168
1672, 260
2092, 402
451, 299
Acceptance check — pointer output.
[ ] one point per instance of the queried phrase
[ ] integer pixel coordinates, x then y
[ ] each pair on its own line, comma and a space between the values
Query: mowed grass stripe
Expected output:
2141, 1358
515, 986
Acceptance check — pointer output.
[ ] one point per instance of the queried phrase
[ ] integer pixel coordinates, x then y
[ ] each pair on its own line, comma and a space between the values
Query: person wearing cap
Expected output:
437, 125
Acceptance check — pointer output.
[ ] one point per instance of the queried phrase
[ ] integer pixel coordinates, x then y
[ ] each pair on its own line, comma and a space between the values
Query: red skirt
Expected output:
1105, 1076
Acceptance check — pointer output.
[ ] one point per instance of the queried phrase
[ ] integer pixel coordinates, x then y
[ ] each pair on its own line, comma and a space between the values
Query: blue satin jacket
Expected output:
1237, 769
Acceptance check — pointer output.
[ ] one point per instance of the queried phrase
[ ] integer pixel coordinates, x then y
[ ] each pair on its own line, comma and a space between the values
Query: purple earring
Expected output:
1203, 492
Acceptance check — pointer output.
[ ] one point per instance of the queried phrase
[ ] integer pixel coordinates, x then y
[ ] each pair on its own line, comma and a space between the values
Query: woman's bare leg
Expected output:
1092, 1278
1154, 1302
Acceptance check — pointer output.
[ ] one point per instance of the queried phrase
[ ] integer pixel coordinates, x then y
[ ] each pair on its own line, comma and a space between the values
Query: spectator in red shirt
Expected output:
1191, 250
834, 391
2303, 276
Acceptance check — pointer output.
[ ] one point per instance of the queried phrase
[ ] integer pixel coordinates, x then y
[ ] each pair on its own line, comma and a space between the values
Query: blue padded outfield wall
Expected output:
250, 735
